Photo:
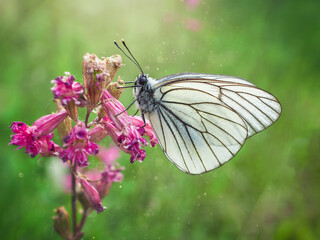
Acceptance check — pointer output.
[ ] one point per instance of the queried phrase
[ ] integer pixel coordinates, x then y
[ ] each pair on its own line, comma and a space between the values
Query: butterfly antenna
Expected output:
125, 45
133, 60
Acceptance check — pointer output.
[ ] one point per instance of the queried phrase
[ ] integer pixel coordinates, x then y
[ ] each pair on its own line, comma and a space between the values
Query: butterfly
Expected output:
202, 120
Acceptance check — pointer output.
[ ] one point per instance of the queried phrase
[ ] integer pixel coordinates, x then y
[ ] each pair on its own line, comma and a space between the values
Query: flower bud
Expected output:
95, 76
65, 127
103, 188
97, 133
114, 90
113, 63
92, 195
72, 110
83, 200
48, 123
61, 222
101, 113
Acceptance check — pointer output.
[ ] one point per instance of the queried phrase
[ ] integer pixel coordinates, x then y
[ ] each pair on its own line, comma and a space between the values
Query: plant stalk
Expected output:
74, 199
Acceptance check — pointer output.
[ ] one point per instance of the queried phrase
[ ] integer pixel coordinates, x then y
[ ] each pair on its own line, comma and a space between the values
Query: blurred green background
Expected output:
270, 190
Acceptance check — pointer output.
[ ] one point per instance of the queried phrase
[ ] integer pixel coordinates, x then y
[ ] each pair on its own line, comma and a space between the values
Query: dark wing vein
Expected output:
255, 108
164, 136
162, 114
221, 129
191, 105
188, 125
246, 110
270, 105
196, 149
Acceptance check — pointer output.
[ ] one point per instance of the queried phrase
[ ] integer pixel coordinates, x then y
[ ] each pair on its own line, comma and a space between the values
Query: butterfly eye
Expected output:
142, 80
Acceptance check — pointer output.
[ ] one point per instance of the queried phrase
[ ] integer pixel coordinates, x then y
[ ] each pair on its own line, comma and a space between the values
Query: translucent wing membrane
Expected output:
203, 120
196, 131
258, 108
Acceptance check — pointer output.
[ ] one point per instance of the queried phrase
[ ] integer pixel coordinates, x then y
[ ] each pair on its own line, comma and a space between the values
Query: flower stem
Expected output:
83, 219
74, 199
89, 109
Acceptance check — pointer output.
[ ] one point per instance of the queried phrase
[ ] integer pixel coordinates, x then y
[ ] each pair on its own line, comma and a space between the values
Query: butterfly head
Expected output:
141, 80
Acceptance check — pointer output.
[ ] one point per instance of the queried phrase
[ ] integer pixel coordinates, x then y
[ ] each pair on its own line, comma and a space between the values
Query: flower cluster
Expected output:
78, 146
126, 131
80, 138
79, 141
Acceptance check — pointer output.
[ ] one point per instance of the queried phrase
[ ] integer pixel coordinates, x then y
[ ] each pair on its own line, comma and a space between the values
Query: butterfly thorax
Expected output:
144, 93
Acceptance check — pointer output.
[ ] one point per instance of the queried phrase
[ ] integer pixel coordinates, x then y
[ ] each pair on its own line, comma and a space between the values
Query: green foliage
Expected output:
268, 191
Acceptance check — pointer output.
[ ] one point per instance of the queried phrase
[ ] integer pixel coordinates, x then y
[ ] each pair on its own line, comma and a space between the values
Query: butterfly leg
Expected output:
126, 108
136, 112
143, 118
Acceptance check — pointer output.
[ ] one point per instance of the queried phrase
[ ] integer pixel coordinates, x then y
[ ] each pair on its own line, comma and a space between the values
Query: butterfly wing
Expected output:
258, 108
202, 121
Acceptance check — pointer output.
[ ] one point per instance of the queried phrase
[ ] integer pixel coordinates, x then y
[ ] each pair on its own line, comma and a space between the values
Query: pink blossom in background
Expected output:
192, 4
170, 18
112, 174
92, 195
109, 155
102, 180
193, 24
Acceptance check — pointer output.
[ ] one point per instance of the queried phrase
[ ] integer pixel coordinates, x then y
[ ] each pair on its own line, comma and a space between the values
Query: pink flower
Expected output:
78, 146
146, 130
102, 181
193, 24
37, 138
48, 148
112, 174
109, 155
66, 89
192, 4
23, 137
122, 130
92, 195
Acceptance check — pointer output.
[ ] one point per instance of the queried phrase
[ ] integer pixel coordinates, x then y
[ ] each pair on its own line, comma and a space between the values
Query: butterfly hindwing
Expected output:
195, 129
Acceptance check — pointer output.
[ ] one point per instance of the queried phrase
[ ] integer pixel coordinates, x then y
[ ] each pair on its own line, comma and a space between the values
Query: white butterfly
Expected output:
202, 120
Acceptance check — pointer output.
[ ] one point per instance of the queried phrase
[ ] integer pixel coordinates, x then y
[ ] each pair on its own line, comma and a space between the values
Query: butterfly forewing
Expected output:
257, 107
201, 120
